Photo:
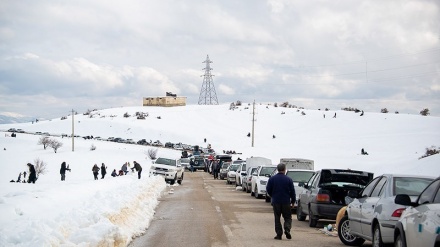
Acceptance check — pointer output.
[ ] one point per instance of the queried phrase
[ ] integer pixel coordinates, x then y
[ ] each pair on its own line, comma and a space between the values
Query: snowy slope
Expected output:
84, 212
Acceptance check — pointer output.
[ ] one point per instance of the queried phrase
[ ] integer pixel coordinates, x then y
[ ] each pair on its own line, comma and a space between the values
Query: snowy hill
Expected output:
68, 212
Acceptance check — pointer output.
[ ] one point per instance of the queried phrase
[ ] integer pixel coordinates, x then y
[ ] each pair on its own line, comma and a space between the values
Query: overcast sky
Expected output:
61, 55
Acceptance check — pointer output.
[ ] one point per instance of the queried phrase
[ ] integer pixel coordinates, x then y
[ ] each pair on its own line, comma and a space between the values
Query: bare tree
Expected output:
152, 153
55, 144
45, 141
40, 167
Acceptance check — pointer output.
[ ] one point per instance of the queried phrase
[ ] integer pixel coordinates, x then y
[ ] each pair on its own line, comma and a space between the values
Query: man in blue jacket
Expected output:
281, 190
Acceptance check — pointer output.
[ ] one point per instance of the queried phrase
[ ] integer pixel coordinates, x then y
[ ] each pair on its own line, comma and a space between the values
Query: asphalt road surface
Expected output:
207, 212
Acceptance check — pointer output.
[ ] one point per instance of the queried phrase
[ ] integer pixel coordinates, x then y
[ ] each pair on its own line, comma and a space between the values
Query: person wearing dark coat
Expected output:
32, 173
138, 168
95, 171
63, 171
114, 174
281, 190
103, 170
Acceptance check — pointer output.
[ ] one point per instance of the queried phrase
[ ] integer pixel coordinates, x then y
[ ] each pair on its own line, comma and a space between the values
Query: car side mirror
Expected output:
403, 199
301, 184
353, 194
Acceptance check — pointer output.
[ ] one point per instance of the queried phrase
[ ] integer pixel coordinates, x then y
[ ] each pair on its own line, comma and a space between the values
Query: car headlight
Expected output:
262, 182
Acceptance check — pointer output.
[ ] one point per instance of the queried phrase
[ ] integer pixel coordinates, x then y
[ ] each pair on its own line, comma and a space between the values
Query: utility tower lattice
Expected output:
207, 93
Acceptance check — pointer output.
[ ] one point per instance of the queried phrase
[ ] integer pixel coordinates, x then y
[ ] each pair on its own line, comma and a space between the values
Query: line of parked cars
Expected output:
403, 210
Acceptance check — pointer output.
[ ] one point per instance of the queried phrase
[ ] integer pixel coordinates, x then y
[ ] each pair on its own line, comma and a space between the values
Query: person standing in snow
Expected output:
63, 171
95, 171
281, 190
138, 168
32, 173
103, 170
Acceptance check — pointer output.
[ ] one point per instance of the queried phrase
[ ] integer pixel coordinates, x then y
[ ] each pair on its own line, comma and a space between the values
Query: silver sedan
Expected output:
373, 214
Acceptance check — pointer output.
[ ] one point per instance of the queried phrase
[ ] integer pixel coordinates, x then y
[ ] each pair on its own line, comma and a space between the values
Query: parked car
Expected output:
241, 172
247, 180
199, 162
170, 169
12, 130
224, 170
373, 214
419, 224
259, 180
324, 194
299, 177
230, 177
185, 163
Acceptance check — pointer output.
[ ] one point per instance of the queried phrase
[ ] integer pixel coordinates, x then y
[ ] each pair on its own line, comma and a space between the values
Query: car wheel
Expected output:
180, 180
345, 235
267, 198
256, 192
299, 214
174, 180
398, 242
247, 189
377, 237
312, 220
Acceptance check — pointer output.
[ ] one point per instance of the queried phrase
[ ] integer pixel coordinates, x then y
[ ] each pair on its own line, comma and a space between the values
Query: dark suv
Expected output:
324, 194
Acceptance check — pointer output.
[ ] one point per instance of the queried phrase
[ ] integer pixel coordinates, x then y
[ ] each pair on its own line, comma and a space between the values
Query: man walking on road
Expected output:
281, 190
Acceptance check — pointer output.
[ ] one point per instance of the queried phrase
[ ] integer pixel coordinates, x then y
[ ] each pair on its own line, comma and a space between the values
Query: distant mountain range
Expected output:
8, 119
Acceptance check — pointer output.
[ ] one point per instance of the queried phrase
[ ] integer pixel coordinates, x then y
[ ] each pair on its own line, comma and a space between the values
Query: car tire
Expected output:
299, 214
267, 198
180, 180
344, 233
377, 237
258, 196
174, 180
247, 189
312, 220
399, 241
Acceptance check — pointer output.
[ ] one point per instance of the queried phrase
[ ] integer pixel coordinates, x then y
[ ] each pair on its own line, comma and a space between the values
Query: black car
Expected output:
324, 194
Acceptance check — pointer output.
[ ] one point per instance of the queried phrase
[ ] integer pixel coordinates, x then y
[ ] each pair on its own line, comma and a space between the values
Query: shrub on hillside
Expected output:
40, 167
126, 115
284, 104
45, 141
384, 110
424, 112
350, 109
238, 103
430, 151
92, 147
275, 104
152, 153
63, 118
55, 144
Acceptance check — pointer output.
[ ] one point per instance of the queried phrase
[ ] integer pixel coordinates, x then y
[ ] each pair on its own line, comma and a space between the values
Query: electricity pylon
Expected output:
207, 93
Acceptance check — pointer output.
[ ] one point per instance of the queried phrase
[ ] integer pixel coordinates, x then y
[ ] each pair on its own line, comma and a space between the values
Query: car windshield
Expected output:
300, 176
226, 165
164, 161
234, 167
410, 185
266, 171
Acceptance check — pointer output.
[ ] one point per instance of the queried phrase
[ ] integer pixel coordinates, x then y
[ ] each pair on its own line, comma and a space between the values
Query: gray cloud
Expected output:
55, 56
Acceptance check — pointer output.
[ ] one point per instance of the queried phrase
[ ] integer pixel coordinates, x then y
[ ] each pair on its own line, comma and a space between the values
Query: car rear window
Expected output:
410, 185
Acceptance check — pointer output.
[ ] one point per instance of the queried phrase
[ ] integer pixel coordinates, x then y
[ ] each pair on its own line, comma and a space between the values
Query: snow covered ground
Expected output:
109, 212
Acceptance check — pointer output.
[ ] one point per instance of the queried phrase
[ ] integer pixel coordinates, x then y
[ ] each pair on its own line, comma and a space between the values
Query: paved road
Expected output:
207, 212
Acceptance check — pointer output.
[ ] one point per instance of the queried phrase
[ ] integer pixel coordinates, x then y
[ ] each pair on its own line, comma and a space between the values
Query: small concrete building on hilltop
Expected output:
169, 100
